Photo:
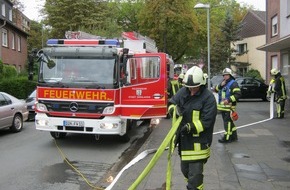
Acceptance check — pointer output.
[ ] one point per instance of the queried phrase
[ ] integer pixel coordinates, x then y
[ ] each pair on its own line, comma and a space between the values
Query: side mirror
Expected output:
50, 64
43, 57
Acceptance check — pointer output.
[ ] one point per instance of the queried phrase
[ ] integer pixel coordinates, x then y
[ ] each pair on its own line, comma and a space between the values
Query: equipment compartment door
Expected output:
144, 94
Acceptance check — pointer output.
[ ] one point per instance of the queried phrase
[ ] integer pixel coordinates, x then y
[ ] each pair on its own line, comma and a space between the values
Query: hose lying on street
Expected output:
168, 141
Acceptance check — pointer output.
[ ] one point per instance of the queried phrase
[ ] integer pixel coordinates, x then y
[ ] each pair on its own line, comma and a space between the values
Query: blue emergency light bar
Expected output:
82, 42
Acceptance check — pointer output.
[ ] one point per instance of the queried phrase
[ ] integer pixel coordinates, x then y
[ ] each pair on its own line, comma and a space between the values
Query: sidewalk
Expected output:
260, 160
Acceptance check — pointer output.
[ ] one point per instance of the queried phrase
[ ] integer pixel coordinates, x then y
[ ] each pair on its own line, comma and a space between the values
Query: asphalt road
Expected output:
32, 159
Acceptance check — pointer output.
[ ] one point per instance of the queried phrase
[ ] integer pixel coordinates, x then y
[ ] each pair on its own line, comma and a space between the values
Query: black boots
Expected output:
224, 140
233, 138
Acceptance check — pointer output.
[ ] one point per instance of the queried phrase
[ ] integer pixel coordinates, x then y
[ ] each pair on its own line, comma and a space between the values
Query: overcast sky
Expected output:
32, 7
258, 4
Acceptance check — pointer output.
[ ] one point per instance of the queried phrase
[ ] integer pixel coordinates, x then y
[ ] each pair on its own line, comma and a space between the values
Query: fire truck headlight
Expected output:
109, 110
109, 125
41, 122
40, 107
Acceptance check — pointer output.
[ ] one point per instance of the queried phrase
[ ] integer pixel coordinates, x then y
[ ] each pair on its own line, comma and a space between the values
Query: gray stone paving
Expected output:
260, 160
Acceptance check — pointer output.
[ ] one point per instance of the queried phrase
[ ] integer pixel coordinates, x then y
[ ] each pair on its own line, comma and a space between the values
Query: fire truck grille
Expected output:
79, 107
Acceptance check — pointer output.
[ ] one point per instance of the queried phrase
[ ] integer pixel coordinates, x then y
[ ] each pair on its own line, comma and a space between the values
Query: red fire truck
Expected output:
96, 86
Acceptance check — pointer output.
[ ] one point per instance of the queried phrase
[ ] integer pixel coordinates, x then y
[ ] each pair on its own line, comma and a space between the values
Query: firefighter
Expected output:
279, 88
197, 106
175, 85
228, 94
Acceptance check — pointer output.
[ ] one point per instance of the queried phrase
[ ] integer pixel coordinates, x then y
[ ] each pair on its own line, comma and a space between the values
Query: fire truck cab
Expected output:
96, 86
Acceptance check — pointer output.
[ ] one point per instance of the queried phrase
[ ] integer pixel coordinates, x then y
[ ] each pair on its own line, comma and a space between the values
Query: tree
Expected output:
171, 24
126, 13
222, 53
36, 35
177, 28
86, 15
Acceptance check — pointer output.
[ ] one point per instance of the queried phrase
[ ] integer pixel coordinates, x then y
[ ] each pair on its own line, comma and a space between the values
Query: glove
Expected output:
171, 110
189, 128
226, 102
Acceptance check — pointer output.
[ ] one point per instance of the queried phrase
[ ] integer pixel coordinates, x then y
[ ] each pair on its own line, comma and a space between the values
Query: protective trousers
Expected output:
229, 126
280, 105
193, 172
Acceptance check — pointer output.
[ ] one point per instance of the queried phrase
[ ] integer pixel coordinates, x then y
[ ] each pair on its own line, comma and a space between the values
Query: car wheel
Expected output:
17, 123
58, 135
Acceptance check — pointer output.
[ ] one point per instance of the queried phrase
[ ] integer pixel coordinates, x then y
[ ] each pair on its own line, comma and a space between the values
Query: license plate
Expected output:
74, 123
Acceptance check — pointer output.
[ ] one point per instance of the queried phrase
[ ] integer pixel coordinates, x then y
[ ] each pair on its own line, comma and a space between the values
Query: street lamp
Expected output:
207, 7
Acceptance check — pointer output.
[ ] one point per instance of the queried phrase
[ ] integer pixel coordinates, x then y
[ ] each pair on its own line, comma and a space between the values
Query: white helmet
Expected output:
274, 71
194, 77
228, 71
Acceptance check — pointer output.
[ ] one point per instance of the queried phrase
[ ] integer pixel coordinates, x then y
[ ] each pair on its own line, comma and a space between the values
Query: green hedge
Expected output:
254, 73
20, 87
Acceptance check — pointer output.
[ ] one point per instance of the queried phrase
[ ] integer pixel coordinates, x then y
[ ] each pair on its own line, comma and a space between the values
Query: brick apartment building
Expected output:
277, 45
14, 27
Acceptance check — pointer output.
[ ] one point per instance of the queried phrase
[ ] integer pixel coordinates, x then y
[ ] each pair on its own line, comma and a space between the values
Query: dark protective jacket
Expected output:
230, 91
279, 87
200, 111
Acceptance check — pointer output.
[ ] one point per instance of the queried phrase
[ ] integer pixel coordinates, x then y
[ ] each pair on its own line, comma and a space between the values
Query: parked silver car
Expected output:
12, 112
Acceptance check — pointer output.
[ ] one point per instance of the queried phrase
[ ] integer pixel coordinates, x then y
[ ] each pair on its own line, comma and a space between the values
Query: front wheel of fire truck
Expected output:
129, 125
58, 135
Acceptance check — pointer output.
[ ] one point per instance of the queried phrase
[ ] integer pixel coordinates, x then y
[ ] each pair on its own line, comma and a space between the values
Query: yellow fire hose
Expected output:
168, 140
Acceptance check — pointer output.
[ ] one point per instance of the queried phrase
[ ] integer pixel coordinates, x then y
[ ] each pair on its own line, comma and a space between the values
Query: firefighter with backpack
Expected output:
228, 94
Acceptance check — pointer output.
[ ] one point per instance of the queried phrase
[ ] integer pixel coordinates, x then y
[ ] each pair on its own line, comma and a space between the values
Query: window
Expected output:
242, 48
18, 43
4, 38
274, 61
133, 68
10, 14
4, 100
3, 10
242, 70
13, 41
150, 67
285, 64
142, 69
274, 25
19, 68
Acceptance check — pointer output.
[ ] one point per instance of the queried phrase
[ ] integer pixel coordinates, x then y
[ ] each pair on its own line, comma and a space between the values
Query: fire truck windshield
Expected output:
78, 71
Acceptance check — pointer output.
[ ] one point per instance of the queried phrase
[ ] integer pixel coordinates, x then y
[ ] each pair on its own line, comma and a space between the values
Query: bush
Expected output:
9, 71
20, 87
255, 74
